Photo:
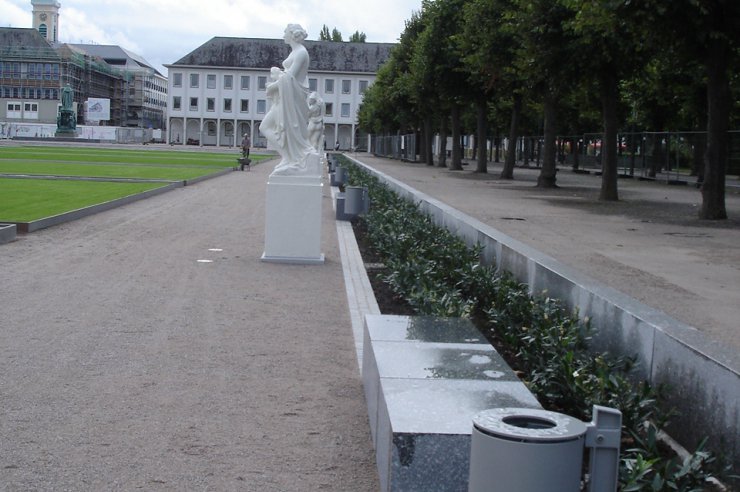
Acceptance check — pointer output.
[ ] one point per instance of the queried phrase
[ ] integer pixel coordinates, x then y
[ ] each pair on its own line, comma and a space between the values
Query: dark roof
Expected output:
115, 55
25, 42
326, 56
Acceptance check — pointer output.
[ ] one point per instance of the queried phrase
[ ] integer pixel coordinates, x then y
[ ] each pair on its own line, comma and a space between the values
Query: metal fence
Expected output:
642, 154
395, 146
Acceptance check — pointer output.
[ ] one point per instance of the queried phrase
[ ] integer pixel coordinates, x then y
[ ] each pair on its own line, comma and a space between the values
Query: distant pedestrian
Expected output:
246, 143
336, 145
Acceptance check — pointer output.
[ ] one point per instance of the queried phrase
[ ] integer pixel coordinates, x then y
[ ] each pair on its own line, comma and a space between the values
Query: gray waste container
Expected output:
526, 450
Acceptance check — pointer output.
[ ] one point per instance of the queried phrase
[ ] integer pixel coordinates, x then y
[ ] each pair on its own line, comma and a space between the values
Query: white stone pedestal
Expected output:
293, 220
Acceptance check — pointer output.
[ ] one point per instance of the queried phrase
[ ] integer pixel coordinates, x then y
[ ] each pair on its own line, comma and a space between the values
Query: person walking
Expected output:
246, 143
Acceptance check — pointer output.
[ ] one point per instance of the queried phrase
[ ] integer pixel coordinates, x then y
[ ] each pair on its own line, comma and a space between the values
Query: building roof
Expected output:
116, 56
24, 43
326, 56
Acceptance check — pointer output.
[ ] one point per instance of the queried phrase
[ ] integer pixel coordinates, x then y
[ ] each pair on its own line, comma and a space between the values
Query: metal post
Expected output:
603, 436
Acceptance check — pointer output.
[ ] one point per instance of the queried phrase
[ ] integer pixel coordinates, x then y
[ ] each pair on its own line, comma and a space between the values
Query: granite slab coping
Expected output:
423, 329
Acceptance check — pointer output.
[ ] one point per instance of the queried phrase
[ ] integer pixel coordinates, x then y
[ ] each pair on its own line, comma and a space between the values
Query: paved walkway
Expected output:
649, 245
148, 348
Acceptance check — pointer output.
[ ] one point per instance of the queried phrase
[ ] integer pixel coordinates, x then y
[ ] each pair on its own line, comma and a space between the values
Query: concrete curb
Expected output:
7, 233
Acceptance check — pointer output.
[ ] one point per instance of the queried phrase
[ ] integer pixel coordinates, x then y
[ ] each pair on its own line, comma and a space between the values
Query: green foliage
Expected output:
335, 35
439, 275
324, 34
357, 37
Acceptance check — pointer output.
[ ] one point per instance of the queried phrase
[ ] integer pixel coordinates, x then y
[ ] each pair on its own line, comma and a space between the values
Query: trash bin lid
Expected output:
528, 424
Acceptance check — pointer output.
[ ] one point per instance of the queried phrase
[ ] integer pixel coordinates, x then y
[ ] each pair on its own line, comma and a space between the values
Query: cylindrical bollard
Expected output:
525, 450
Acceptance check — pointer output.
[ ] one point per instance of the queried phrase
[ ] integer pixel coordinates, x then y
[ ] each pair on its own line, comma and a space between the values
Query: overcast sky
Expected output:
163, 31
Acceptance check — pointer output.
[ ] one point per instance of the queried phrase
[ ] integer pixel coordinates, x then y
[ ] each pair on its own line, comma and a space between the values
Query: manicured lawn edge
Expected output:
35, 225
31, 226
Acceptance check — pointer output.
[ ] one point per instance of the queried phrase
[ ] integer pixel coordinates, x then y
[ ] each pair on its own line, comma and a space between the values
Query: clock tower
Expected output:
46, 18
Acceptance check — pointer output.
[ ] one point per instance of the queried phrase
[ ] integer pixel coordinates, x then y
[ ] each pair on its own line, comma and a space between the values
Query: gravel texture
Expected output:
128, 364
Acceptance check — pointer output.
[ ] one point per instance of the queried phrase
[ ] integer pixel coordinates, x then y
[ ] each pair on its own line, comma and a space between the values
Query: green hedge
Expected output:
548, 345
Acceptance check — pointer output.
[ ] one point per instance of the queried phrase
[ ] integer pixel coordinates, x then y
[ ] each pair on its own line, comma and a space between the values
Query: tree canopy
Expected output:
558, 66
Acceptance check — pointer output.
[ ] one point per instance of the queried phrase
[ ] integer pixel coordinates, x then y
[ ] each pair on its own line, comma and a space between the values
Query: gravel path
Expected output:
127, 364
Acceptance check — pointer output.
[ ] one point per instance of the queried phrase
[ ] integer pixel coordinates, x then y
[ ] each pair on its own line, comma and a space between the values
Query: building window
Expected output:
261, 106
47, 71
194, 80
43, 29
55, 72
176, 103
329, 86
228, 82
261, 83
193, 104
346, 86
176, 80
245, 82
244, 106
329, 111
31, 111
363, 86
14, 110
210, 104
313, 84
211, 129
345, 110
227, 105
210, 81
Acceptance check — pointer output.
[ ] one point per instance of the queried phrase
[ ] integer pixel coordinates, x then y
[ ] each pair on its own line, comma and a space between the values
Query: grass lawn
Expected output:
122, 156
25, 200
46, 168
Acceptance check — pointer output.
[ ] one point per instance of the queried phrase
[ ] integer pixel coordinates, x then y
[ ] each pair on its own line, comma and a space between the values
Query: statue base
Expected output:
293, 220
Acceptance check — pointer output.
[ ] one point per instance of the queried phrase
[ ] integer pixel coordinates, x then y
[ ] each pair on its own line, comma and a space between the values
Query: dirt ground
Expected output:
649, 245
128, 364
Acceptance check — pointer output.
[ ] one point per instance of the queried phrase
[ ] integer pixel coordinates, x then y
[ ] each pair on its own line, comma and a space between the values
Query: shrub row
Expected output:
438, 275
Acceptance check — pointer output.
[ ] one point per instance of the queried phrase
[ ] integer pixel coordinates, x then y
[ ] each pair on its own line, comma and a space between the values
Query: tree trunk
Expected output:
482, 123
609, 94
456, 162
549, 169
718, 119
442, 161
508, 171
427, 142
576, 149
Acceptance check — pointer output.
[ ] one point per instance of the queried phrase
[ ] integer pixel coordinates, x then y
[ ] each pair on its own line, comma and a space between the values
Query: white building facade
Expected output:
217, 92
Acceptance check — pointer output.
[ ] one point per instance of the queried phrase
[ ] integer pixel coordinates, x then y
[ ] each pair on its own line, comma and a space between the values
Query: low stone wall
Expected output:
703, 376
424, 379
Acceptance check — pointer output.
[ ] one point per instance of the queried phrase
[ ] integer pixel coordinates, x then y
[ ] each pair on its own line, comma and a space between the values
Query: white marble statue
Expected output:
316, 110
286, 124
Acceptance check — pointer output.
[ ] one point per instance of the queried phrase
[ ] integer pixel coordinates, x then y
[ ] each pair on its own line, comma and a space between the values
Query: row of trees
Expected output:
564, 67
336, 36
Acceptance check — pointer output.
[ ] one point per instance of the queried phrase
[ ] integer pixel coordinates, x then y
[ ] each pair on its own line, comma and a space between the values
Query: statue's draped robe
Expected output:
286, 124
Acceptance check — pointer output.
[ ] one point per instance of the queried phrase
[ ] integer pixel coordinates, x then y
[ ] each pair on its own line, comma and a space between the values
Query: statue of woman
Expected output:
315, 121
286, 124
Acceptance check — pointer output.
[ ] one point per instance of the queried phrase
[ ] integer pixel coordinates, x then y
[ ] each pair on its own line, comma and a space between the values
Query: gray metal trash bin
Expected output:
356, 200
526, 450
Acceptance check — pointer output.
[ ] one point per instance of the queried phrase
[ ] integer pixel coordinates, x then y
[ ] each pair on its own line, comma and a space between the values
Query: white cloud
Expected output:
166, 30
